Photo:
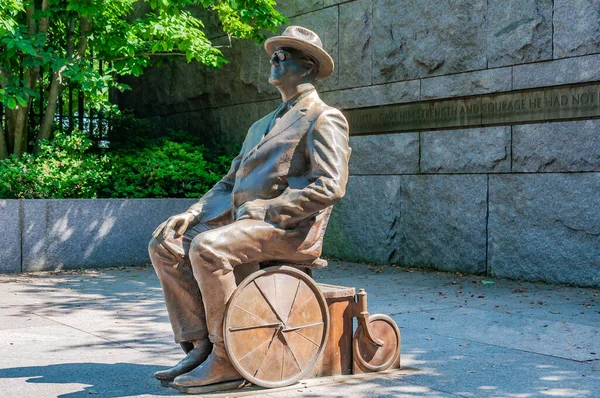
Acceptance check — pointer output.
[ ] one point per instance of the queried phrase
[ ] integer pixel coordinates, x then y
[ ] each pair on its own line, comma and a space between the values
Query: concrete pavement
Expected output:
103, 333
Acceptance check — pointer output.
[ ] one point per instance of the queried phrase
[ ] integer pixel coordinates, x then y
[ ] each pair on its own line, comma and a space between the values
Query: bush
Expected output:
62, 169
165, 169
171, 166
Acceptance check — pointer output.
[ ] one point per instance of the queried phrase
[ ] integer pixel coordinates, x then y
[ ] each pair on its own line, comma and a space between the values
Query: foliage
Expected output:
62, 169
165, 168
68, 38
65, 167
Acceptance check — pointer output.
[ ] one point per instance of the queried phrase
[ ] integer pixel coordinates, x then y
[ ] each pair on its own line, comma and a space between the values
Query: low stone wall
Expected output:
46, 235
521, 225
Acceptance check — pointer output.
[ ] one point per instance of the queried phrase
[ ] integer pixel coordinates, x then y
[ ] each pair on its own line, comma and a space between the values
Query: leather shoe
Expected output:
193, 359
216, 369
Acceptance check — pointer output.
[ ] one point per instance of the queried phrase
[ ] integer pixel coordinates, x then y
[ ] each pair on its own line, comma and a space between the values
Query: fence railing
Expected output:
72, 112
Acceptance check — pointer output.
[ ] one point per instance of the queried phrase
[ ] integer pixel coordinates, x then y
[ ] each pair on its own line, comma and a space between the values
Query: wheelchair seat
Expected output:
311, 264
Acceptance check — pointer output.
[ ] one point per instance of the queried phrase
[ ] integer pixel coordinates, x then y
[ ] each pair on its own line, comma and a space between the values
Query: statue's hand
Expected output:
178, 223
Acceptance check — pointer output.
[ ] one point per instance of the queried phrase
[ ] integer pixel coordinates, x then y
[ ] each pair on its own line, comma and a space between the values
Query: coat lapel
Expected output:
258, 133
291, 117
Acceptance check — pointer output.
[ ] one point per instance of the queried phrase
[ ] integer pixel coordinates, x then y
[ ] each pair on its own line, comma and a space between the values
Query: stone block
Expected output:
355, 50
554, 73
325, 23
236, 120
212, 25
414, 38
576, 27
205, 124
364, 224
67, 233
10, 236
385, 154
382, 94
552, 147
244, 79
545, 227
291, 8
425, 221
465, 84
328, 3
519, 31
478, 150
177, 121
151, 92
186, 86
442, 222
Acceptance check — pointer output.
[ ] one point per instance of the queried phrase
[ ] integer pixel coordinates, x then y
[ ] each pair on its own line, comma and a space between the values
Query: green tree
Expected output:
67, 38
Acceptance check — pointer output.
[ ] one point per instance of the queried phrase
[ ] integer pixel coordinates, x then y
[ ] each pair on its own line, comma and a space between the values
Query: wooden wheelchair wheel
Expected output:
370, 357
276, 326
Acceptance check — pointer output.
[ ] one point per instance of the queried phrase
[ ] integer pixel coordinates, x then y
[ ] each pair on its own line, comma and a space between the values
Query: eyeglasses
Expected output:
280, 55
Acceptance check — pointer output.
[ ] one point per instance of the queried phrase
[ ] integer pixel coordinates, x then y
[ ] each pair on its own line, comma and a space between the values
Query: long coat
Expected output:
290, 177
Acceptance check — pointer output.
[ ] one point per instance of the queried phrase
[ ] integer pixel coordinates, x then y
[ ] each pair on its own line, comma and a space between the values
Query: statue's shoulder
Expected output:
319, 107
323, 111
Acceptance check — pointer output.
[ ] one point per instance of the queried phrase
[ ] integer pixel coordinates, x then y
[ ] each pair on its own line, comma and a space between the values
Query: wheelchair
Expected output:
281, 326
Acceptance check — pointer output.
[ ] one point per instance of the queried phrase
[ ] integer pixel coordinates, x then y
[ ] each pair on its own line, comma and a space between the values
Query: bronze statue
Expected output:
273, 204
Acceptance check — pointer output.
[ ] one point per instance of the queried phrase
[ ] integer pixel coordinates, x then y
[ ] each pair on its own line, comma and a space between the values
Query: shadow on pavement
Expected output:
95, 379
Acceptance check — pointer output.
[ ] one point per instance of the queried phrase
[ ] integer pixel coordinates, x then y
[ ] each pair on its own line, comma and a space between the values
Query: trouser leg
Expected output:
180, 289
214, 254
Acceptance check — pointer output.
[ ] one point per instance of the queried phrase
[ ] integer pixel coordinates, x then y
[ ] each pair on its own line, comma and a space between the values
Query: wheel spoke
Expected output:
293, 329
266, 352
307, 338
273, 308
282, 358
267, 325
303, 304
294, 356
262, 344
251, 314
293, 301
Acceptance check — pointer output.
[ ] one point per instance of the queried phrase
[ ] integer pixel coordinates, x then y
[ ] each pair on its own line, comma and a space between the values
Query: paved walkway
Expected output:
103, 334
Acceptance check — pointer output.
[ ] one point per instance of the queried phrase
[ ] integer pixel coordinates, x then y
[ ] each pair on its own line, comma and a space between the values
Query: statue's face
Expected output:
288, 67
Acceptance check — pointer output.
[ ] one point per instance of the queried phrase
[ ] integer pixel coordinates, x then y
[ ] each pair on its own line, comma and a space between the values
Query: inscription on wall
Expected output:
548, 104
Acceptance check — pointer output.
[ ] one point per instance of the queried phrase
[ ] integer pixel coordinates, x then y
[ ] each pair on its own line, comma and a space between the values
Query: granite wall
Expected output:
55, 234
512, 200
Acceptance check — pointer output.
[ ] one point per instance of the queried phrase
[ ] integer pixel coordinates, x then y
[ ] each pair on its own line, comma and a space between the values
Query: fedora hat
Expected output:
306, 41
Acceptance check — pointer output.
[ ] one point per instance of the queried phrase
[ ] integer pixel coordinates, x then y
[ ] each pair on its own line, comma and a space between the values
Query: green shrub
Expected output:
66, 167
164, 169
62, 169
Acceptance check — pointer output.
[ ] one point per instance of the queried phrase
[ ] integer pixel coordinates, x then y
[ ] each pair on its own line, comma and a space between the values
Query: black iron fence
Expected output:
73, 112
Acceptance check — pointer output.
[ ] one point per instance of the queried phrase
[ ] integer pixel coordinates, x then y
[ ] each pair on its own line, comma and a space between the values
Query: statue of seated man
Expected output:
273, 204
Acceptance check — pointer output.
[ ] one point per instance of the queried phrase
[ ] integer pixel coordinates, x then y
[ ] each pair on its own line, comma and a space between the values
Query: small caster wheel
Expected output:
370, 357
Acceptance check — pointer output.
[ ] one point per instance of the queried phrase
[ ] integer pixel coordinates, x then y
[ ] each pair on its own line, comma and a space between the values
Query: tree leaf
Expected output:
11, 103
22, 101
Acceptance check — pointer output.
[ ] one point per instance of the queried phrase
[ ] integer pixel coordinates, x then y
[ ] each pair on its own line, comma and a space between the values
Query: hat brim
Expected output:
325, 61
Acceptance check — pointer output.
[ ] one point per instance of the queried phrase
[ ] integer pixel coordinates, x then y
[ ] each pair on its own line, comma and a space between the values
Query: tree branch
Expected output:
29, 21
44, 22
19, 127
3, 78
34, 74
71, 38
145, 55
57, 84
85, 26
3, 147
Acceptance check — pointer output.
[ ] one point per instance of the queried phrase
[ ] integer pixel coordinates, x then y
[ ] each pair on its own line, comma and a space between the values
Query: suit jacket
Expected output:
289, 177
